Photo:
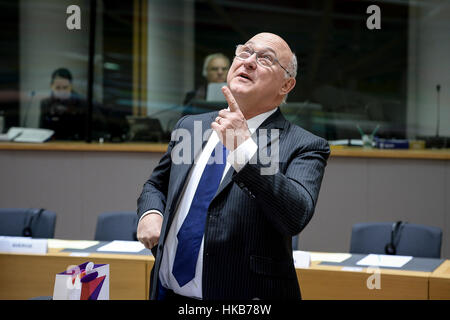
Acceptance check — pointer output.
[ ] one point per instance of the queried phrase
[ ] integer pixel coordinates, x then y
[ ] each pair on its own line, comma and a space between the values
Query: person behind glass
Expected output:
215, 70
222, 230
65, 111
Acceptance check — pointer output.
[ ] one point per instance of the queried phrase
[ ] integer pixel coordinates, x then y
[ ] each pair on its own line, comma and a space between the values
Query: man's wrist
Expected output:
153, 211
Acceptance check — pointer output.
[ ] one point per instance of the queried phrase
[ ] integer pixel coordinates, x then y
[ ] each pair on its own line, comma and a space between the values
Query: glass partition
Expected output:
148, 62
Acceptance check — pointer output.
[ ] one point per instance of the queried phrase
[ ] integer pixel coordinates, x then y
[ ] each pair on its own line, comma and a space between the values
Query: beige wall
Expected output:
79, 186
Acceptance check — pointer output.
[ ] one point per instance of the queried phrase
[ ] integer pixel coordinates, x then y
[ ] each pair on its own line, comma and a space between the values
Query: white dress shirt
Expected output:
238, 158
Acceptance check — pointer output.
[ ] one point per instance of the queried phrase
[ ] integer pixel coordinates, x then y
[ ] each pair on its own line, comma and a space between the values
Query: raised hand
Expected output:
230, 125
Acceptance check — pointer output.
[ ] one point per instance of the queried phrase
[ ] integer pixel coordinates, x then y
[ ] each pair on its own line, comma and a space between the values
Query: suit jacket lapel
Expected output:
225, 182
275, 121
184, 169
264, 136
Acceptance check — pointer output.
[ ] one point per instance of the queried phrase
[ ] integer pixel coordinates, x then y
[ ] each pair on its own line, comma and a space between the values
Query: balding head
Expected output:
259, 86
287, 58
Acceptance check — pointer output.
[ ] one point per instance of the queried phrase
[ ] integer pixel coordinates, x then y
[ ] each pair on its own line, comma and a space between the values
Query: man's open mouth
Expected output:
245, 76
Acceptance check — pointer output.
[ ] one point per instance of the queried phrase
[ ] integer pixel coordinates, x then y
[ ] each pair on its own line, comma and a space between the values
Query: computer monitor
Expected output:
214, 92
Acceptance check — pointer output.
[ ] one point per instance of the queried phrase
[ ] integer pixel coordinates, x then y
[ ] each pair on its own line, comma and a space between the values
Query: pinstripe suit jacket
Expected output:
252, 218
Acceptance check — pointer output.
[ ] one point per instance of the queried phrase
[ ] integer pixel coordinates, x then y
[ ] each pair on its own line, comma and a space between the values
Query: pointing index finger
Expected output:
230, 99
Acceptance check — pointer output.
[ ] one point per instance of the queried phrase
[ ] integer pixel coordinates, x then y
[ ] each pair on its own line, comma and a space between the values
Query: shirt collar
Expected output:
256, 121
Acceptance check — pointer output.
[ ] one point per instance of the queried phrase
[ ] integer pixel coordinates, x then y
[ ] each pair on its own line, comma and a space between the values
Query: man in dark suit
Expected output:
223, 229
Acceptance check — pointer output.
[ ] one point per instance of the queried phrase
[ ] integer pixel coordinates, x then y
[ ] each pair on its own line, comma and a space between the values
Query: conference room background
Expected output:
134, 68
147, 55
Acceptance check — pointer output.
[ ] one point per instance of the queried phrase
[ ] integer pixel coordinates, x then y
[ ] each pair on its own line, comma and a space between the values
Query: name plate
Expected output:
23, 245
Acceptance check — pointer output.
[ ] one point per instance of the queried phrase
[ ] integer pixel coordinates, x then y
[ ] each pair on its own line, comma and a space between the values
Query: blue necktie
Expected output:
191, 231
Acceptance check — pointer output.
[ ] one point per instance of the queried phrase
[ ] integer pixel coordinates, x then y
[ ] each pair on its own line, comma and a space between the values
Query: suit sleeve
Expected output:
287, 199
154, 192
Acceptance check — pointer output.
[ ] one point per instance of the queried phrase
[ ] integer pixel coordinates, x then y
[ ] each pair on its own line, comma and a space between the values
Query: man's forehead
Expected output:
218, 60
259, 46
271, 42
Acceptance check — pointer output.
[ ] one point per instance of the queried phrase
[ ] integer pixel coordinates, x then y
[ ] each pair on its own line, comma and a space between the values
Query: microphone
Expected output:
27, 109
438, 89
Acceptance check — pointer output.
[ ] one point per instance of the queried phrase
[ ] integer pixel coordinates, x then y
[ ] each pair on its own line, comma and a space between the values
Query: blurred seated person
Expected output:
65, 111
215, 70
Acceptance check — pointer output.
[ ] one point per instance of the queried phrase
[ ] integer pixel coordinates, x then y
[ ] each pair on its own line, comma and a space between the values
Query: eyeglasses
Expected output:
263, 58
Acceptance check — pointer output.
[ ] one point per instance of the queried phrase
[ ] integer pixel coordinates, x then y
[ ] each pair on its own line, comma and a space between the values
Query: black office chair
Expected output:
22, 222
396, 238
116, 226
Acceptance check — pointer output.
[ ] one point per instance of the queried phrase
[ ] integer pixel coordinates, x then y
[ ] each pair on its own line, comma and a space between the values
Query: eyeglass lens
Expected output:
265, 58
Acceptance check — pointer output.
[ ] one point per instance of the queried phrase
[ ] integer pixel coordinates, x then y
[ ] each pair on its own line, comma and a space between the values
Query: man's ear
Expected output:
288, 85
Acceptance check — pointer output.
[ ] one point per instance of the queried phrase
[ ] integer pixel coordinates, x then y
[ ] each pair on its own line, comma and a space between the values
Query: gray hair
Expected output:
209, 58
292, 68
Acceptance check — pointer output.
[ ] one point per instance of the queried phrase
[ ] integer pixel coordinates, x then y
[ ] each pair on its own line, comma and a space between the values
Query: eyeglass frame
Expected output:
257, 52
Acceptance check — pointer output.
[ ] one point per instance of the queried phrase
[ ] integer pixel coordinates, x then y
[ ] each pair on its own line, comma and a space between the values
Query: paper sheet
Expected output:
70, 244
302, 259
329, 257
381, 260
352, 269
79, 254
122, 246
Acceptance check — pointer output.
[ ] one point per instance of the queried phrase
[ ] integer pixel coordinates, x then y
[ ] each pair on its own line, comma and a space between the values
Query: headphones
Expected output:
390, 248
29, 218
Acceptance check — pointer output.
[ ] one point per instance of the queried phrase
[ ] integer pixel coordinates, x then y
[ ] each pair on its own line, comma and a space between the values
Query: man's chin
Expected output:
239, 89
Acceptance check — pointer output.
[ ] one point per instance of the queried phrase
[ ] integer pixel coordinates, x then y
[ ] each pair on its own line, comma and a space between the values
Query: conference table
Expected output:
323, 282
26, 276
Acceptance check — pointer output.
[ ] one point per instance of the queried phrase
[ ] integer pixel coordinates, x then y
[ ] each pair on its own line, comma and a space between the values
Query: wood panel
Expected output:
441, 154
440, 282
332, 283
24, 276
352, 152
82, 146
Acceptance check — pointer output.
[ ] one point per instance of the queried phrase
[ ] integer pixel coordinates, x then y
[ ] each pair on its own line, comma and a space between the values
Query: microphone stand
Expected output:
438, 89
437, 141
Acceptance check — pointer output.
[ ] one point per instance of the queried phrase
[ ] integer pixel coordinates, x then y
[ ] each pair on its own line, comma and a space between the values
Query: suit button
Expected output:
241, 184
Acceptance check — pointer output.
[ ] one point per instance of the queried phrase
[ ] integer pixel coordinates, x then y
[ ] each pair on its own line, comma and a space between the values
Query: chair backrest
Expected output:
23, 222
400, 238
116, 226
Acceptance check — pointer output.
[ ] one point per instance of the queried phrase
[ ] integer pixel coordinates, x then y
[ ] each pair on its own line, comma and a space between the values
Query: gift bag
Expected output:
87, 281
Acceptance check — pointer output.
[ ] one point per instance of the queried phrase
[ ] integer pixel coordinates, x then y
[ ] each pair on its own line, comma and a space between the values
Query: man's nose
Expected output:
250, 62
